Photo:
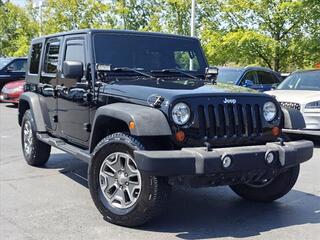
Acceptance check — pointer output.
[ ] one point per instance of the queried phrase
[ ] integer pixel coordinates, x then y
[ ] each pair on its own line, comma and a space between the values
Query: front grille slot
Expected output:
230, 120
212, 119
202, 121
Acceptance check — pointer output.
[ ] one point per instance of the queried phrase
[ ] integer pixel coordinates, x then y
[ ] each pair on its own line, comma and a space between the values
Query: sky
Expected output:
22, 2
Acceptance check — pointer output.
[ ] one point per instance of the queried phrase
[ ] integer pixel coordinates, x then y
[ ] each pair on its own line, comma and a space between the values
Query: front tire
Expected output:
36, 153
124, 195
269, 190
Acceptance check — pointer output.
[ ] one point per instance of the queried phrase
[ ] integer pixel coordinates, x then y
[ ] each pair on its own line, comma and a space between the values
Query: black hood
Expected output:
145, 91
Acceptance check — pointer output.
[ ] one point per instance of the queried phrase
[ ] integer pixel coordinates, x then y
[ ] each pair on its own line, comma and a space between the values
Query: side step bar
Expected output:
60, 144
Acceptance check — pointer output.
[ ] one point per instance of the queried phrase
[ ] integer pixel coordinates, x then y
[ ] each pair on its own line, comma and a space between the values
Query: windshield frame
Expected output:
202, 59
284, 82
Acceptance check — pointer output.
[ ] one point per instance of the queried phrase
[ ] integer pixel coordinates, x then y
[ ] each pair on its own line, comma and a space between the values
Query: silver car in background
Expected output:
301, 91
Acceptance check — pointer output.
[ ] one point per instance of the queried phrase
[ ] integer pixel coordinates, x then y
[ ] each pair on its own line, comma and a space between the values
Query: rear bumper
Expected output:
198, 161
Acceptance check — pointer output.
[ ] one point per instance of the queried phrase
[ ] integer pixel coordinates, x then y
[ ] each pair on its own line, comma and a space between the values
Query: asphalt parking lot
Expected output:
54, 203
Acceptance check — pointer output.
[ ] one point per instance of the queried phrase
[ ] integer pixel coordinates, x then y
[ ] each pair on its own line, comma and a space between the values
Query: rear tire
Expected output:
269, 191
110, 181
36, 153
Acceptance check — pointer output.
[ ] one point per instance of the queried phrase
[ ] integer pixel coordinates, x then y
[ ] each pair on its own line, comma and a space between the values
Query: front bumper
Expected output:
6, 98
198, 161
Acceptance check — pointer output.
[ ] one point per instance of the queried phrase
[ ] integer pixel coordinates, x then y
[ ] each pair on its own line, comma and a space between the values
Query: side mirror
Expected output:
10, 69
274, 86
247, 83
72, 69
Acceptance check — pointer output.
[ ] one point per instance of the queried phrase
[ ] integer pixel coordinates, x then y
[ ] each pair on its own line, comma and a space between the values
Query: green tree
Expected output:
269, 32
16, 30
176, 16
65, 15
137, 14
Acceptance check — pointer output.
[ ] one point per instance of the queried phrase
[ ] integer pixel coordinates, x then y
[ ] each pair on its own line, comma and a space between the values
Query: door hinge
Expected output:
87, 127
55, 118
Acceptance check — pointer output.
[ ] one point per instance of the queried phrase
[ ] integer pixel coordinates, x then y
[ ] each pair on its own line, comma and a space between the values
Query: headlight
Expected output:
269, 111
180, 113
18, 89
315, 104
4, 90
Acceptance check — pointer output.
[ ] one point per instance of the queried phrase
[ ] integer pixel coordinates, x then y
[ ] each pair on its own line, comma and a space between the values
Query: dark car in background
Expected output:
258, 78
12, 69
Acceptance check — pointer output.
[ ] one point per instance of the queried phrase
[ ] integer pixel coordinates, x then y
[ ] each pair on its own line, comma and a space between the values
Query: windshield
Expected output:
230, 76
149, 53
302, 81
4, 62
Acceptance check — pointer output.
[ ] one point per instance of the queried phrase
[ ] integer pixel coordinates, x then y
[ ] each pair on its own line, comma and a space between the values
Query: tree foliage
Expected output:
273, 33
16, 30
280, 34
65, 15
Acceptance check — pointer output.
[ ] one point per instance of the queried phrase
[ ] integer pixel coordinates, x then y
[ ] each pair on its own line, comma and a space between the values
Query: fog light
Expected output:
269, 157
226, 161
180, 136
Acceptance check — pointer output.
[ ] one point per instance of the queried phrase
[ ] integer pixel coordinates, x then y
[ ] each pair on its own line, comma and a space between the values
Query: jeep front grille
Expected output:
291, 105
230, 120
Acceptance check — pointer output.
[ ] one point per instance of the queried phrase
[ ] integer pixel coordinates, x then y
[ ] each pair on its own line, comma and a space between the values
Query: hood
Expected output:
146, 90
296, 96
15, 84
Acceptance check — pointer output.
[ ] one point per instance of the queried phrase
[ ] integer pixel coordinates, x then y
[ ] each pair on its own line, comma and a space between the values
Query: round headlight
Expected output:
269, 111
180, 113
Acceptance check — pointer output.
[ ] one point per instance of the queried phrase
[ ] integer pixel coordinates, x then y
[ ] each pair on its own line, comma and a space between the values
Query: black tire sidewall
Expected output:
27, 117
40, 151
277, 188
133, 215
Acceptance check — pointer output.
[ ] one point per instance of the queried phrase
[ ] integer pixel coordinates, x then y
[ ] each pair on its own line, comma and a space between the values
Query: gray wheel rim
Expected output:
120, 180
27, 138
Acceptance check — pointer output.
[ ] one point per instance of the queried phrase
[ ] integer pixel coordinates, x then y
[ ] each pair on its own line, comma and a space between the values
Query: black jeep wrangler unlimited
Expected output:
144, 111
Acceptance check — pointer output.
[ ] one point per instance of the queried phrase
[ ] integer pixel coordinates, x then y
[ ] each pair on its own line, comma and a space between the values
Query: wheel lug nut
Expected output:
127, 183
126, 174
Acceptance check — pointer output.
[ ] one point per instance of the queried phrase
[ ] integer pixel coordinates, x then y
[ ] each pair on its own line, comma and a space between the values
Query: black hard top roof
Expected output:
125, 32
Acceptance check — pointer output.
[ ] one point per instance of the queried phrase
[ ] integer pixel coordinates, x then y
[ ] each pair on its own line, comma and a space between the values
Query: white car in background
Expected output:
301, 91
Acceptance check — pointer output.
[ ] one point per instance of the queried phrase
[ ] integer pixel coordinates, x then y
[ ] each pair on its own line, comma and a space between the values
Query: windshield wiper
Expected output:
173, 70
127, 69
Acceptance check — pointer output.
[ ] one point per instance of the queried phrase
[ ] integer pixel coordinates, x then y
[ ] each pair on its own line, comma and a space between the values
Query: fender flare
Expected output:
292, 119
34, 104
148, 121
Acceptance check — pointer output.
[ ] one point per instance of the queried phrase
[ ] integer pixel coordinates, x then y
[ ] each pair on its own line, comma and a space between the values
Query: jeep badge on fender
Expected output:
144, 111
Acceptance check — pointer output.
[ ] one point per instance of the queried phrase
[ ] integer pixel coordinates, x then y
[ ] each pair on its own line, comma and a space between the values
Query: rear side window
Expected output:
35, 58
51, 57
75, 52
267, 78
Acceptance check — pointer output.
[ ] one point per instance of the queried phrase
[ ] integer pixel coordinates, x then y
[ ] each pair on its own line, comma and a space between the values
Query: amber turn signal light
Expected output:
132, 125
180, 136
276, 131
